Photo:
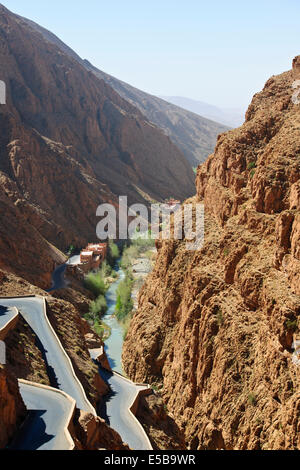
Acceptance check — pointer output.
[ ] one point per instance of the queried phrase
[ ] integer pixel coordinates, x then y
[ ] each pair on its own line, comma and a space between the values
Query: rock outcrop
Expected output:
161, 428
12, 408
92, 433
215, 327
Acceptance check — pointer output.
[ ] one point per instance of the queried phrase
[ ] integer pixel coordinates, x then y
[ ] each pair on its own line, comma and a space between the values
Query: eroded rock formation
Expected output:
92, 433
215, 327
12, 408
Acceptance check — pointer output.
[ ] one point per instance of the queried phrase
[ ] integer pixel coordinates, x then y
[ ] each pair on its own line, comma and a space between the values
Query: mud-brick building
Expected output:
92, 256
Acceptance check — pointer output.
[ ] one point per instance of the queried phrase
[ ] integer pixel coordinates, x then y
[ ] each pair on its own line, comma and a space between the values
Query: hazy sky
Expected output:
217, 51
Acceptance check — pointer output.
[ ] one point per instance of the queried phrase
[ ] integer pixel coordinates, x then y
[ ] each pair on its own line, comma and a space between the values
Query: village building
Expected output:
172, 202
93, 256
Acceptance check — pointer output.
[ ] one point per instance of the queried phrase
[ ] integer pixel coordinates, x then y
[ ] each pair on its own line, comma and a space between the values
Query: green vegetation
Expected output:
113, 253
195, 170
124, 304
98, 284
157, 387
220, 319
106, 271
95, 283
252, 173
102, 329
129, 254
70, 250
136, 248
292, 325
98, 307
126, 325
251, 165
226, 251
252, 399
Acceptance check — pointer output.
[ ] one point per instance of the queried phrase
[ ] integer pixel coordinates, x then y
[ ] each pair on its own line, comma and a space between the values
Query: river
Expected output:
114, 344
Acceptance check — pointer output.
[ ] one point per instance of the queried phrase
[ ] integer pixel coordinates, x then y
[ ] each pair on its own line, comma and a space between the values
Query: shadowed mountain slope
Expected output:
69, 142
194, 135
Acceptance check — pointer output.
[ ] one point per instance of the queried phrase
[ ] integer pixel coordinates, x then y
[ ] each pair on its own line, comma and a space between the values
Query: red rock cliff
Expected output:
215, 327
12, 408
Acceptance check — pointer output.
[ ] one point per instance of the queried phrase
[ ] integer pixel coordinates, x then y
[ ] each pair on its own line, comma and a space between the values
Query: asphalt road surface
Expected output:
115, 410
44, 428
58, 365
58, 278
6, 315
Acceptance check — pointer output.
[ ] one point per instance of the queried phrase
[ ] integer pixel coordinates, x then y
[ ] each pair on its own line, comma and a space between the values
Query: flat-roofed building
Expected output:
99, 249
92, 256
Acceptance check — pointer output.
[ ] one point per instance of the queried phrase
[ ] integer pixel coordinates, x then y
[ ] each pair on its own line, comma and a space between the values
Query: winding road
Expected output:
58, 275
45, 426
51, 409
116, 410
116, 405
7, 314
59, 366
58, 278
74, 260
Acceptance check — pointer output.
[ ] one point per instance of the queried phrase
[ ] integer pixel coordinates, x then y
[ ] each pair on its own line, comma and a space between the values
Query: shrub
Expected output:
220, 319
126, 325
251, 165
70, 250
129, 253
98, 307
124, 304
252, 173
105, 269
95, 284
291, 325
143, 243
252, 399
102, 329
113, 253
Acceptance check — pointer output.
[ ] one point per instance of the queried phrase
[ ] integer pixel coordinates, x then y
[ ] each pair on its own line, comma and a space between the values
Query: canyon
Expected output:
68, 143
194, 135
214, 328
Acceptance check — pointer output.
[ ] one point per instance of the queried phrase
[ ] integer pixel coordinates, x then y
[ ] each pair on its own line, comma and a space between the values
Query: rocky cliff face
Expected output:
12, 408
69, 142
215, 327
92, 433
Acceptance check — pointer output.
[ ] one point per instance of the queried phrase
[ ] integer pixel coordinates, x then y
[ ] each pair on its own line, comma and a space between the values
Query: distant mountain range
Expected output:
228, 116
194, 135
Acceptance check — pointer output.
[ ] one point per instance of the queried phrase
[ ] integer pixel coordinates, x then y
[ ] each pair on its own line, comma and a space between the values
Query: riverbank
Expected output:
141, 268
138, 268
114, 343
